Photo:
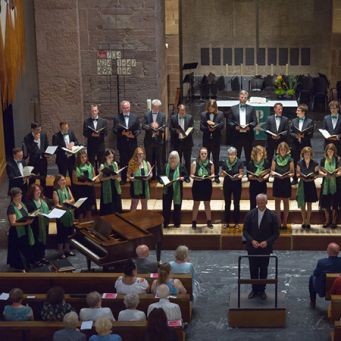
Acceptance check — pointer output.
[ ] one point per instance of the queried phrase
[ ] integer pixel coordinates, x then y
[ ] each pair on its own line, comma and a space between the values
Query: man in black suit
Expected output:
261, 229
181, 143
35, 144
65, 138
301, 131
332, 123
143, 262
279, 125
95, 130
243, 120
127, 128
211, 124
154, 125
14, 169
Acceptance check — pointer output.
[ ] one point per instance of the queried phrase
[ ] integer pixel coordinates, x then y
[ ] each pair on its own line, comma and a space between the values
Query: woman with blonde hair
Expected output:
103, 327
139, 173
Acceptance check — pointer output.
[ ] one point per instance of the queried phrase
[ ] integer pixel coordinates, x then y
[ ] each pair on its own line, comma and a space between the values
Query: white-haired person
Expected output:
95, 310
144, 263
176, 174
103, 326
71, 331
131, 301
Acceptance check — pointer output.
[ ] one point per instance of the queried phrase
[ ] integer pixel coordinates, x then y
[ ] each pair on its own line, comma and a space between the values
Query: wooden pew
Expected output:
329, 282
42, 331
334, 310
336, 333
116, 305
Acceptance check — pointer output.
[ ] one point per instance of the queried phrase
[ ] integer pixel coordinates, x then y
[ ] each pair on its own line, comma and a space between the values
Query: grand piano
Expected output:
113, 238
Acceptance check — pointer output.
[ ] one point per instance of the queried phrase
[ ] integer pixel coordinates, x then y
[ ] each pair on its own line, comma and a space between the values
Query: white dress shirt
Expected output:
36, 141
20, 166
334, 121
181, 121
242, 116
154, 115
300, 124
260, 217
131, 315
278, 121
94, 122
126, 119
66, 138
172, 310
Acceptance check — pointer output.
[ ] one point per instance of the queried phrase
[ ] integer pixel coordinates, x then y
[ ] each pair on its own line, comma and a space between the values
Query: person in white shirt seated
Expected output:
131, 301
129, 283
172, 310
95, 310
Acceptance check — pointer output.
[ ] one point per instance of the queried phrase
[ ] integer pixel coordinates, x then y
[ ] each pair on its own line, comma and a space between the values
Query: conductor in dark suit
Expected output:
35, 144
181, 143
332, 123
211, 124
127, 128
14, 170
65, 138
154, 124
243, 120
261, 229
317, 281
279, 125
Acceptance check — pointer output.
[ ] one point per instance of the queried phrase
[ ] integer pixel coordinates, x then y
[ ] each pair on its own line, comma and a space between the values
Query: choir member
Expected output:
332, 123
282, 169
126, 128
83, 179
211, 124
62, 195
65, 138
258, 170
243, 120
95, 130
110, 185
278, 125
154, 125
20, 235
202, 172
182, 143
307, 171
330, 169
176, 174
301, 131
232, 171
139, 173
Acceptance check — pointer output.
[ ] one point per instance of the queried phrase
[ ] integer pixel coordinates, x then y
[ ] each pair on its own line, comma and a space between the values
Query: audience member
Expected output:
131, 301
70, 332
17, 311
103, 327
95, 310
143, 262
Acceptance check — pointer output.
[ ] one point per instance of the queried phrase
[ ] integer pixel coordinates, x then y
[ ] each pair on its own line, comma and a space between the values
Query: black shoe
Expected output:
194, 225
209, 224
251, 295
333, 226
308, 227
263, 296
217, 180
177, 226
303, 226
294, 182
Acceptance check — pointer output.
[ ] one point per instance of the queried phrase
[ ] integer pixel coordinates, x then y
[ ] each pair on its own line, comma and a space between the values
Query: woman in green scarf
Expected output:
258, 170
202, 173
83, 179
330, 169
176, 173
282, 169
110, 185
36, 201
139, 173
20, 235
61, 195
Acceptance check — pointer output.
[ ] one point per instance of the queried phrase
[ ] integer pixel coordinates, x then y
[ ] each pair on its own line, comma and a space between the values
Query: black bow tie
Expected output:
94, 119
18, 161
243, 105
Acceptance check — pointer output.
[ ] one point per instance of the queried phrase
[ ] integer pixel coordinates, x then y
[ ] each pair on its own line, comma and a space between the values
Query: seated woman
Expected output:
20, 236
129, 283
103, 327
95, 310
17, 311
70, 332
175, 286
131, 301
55, 308
174, 171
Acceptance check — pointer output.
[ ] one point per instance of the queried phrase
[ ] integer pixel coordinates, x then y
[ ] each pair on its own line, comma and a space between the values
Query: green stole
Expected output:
22, 230
67, 219
138, 185
229, 165
87, 167
329, 183
259, 166
42, 221
282, 161
202, 168
176, 184
300, 194
106, 185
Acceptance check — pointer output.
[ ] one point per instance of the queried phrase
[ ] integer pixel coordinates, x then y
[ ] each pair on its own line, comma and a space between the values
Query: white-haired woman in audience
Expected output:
17, 311
70, 332
103, 327
176, 173
95, 310
131, 301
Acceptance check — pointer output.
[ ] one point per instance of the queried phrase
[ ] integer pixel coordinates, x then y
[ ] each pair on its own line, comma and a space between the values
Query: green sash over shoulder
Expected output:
282, 161
106, 185
138, 184
230, 165
176, 184
86, 168
68, 218
329, 183
23, 230
42, 221
202, 168
259, 167
300, 194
